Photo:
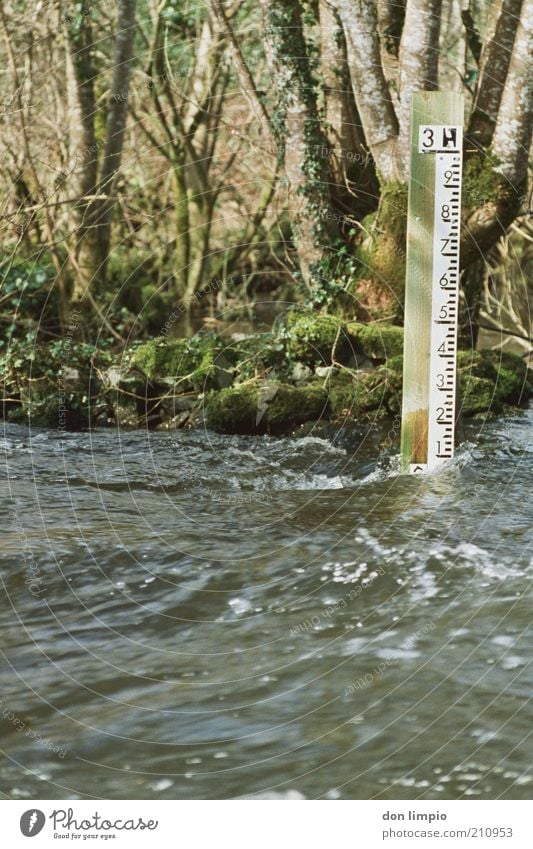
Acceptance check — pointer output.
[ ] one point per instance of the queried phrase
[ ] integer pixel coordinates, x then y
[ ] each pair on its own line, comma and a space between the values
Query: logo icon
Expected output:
32, 822
266, 394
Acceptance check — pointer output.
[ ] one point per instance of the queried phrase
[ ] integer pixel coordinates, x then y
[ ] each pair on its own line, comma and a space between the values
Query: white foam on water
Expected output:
324, 444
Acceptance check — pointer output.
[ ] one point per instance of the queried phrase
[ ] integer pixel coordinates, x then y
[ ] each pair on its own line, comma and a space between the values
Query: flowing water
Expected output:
187, 615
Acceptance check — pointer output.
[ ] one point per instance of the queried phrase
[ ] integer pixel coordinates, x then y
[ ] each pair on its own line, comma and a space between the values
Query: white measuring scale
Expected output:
445, 144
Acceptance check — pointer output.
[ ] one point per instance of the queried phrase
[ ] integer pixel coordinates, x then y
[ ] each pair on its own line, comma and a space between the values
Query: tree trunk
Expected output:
495, 58
512, 136
343, 125
94, 248
372, 95
81, 107
391, 15
419, 65
83, 149
352, 166
182, 253
504, 181
297, 126
116, 116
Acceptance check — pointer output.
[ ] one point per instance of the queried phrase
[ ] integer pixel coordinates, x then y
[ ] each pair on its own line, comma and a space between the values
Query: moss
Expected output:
507, 374
353, 393
255, 355
292, 406
513, 379
393, 211
264, 407
194, 363
395, 364
377, 341
162, 357
309, 337
380, 283
477, 395
233, 410
482, 183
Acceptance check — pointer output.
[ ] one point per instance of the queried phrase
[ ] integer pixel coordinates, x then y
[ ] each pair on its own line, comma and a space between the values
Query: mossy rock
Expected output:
54, 385
358, 392
477, 395
233, 410
195, 363
507, 374
488, 380
378, 341
294, 405
265, 407
44, 404
310, 337
256, 354
514, 383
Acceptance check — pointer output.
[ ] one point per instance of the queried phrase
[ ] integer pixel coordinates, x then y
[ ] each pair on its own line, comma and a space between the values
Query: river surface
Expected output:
187, 615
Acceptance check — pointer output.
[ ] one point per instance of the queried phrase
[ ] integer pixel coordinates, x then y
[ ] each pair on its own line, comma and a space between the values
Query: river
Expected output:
189, 615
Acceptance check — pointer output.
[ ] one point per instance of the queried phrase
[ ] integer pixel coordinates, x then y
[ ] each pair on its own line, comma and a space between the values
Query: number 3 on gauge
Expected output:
429, 137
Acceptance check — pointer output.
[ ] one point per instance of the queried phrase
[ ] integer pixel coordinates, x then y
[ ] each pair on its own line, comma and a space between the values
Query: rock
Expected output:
310, 337
490, 379
70, 375
354, 394
178, 421
264, 407
377, 341
301, 373
254, 355
195, 363
113, 377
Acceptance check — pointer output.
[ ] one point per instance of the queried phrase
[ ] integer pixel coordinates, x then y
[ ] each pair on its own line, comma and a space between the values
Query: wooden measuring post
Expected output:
432, 280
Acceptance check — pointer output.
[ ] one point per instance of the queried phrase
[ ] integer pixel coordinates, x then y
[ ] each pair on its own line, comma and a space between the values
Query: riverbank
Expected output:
310, 371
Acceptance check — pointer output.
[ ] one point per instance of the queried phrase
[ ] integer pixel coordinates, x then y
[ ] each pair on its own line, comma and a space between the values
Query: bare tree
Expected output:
93, 237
